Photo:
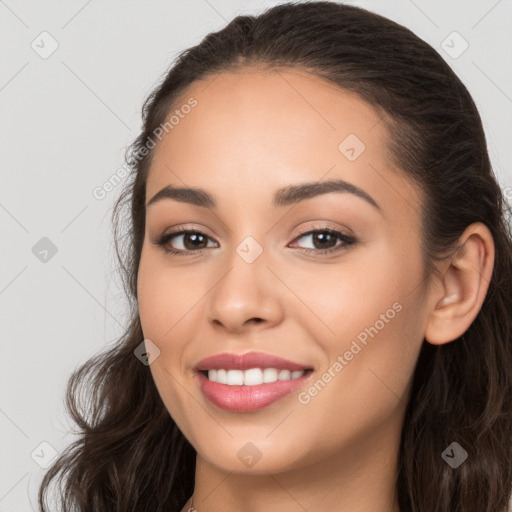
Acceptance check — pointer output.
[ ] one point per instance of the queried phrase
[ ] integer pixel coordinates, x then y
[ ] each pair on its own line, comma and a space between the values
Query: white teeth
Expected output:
251, 377
284, 375
269, 375
235, 377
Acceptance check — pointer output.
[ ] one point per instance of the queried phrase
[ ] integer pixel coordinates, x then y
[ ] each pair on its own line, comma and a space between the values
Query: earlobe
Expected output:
464, 285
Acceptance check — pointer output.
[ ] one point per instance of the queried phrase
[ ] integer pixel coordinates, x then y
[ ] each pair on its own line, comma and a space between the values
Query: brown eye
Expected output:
190, 241
324, 240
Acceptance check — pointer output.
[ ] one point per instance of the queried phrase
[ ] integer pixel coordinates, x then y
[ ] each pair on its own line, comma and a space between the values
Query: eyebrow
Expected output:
291, 194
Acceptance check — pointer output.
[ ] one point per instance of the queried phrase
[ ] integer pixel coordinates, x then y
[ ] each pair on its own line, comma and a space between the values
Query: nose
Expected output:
247, 296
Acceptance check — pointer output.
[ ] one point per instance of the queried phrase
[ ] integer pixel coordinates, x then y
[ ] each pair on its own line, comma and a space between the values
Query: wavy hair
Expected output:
130, 455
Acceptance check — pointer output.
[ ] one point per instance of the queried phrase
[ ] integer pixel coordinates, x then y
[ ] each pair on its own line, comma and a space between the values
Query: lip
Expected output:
246, 361
248, 398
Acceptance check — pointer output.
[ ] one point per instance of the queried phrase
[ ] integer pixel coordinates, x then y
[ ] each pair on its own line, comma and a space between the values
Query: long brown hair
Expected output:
131, 456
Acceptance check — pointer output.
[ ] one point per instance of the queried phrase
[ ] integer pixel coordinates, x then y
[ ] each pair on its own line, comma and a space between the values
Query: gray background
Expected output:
66, 120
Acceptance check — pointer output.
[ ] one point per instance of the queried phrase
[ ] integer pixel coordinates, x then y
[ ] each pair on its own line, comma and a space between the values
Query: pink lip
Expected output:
247, 398
247, 361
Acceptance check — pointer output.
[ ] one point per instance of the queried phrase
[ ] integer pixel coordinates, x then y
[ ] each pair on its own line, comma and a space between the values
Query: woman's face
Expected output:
256, 280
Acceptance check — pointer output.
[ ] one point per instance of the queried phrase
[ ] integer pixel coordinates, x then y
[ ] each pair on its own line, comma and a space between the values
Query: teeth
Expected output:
251, 377
284, 375
270, 375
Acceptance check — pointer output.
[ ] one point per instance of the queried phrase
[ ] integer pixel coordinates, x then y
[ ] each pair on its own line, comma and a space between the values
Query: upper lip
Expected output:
246, 361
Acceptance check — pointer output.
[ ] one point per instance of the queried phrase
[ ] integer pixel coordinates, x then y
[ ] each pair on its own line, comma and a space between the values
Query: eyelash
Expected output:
346, 239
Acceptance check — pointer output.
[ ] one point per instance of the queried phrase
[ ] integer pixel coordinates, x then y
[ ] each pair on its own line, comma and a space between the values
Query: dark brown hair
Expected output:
131, 456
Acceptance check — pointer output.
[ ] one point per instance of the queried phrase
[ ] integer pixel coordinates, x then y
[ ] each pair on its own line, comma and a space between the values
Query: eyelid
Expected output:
187, 227
317, 227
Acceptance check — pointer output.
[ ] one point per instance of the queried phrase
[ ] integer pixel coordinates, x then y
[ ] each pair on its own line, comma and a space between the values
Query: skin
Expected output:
253, 132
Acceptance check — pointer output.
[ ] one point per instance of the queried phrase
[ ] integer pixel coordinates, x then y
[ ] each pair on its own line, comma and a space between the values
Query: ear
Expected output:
464, 284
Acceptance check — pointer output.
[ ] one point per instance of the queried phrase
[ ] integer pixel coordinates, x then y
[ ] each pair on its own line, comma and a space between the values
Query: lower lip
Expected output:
248, 398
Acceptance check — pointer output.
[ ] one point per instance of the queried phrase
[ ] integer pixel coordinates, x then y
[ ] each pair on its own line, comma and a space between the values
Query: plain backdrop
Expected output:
66, 119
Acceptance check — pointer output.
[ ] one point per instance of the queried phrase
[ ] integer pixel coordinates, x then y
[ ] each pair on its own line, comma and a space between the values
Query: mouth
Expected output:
243, 398
249, 382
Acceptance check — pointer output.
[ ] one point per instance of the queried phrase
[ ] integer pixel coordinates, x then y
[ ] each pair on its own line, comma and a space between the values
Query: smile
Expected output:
238, 397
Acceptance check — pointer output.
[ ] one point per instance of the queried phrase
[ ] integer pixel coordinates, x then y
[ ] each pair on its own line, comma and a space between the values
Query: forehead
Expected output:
255, 130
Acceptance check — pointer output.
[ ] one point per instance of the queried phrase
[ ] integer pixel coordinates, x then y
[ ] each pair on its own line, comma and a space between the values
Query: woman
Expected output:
320, 269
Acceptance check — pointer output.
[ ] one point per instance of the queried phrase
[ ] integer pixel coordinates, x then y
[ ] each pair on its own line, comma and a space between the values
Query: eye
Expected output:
195, 241
325, 239
192, 240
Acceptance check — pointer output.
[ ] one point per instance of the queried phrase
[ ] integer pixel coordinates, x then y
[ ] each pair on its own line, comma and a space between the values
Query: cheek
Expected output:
350, 294
164, 295
369, 362
370, 307
164, 299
